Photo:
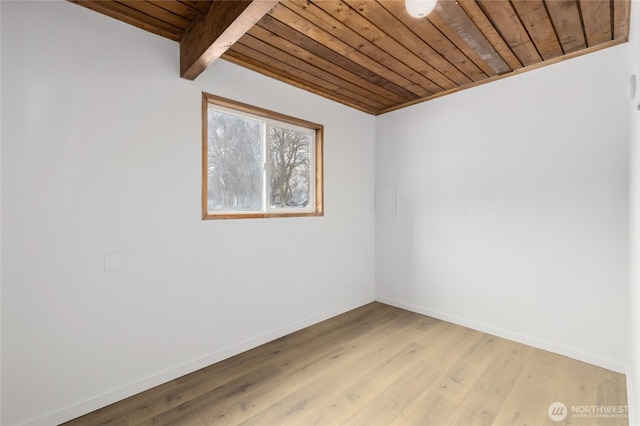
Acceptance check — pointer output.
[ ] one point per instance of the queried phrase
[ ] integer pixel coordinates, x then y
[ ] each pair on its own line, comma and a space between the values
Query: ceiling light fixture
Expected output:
420, 8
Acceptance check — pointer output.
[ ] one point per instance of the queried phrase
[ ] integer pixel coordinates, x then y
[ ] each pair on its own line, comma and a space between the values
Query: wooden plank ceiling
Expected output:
372, 55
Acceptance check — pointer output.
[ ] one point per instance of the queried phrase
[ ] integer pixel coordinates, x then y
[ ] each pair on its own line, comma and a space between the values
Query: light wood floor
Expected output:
379, 365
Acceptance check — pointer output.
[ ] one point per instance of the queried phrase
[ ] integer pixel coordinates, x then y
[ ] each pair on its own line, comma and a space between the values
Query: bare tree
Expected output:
290, 159
235, 162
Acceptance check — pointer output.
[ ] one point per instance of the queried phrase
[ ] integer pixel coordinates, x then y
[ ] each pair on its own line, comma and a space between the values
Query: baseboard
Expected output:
516, 337
135, 388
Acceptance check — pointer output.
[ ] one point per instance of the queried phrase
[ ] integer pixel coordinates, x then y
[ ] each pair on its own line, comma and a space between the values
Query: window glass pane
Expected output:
235, 163
259, 163
290, 161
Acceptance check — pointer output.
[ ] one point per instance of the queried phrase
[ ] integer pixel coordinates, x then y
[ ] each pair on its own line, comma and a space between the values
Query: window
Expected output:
258, 163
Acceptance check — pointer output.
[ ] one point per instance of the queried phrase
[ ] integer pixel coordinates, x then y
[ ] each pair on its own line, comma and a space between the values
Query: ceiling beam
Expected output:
216, 29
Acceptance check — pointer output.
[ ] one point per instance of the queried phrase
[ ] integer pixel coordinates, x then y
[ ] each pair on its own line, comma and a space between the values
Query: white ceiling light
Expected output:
420, 8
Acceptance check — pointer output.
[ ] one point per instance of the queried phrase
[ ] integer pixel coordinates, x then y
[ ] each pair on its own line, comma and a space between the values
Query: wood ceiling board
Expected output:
597, 19
565, 15
283, 50
250, 63
485, 26
621, 14
283, 72
131, 16
537, 22
213, 31
318, 26
439, 41
178, 8
152, 10
394, 28
195, 4
277, 57
369, 54
433, 80
506, 21
289, 40
521, 70
454, 23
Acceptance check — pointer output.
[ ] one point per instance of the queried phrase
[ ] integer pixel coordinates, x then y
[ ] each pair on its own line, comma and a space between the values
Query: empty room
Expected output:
331, 212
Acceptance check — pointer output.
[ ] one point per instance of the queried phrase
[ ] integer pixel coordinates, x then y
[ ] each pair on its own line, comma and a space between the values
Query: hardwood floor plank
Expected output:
533, 392
288, 409
481, 404
364, 385
391, 402
380, 365
337, 365
299, 365
387, 369
229, 391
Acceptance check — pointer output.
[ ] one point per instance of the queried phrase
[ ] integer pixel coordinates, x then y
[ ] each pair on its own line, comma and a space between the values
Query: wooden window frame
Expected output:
209, 99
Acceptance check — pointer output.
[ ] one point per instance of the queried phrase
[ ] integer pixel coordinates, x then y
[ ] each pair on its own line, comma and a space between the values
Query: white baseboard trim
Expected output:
516, 337
135, 388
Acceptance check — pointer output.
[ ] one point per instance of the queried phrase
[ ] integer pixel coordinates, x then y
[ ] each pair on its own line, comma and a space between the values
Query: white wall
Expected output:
633, 372
101, 152
512, 205
0, 215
